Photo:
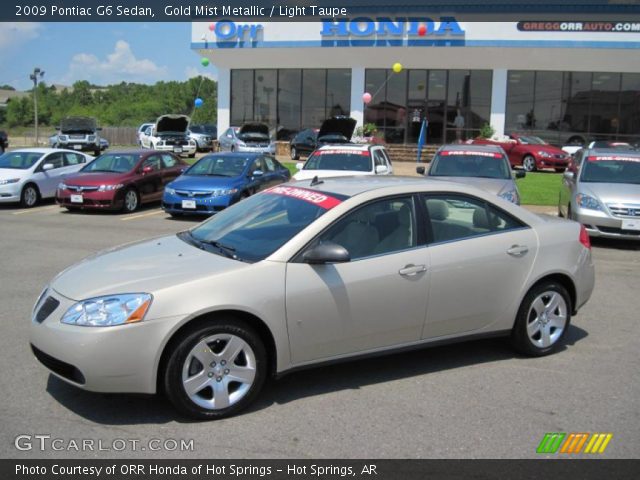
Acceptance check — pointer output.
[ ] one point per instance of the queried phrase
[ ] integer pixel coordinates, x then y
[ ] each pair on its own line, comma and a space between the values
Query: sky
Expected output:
102, 53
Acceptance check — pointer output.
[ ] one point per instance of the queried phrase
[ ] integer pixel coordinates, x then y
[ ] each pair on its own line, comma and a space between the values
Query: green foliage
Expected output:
367, 130
487, 131
125, 104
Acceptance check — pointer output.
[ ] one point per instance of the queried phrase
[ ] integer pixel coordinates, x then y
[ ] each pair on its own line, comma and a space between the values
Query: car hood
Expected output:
309, 174
256, 127
612, 192
95, 179
7, 173
172, 124
146, 266
338, 126
203, 182
78, 124
493, 185
547, 148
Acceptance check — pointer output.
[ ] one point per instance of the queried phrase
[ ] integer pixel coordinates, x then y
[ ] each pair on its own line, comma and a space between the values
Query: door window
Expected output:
257, 165
168, 161
71, 158
153, 162
269, 164
379, 228
54, 159
378, 158
456, 217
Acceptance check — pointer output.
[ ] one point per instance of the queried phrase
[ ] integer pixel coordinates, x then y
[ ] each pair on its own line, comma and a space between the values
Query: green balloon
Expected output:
204, 61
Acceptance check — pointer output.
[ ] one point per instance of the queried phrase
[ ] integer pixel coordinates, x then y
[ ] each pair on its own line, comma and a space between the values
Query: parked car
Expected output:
601, 190
141, 129
4, 141
532, 153
78, 133
216, 181
335, 130
572, 149
345, 160
300, 275
483, 166
31, 174
203, 135
53, 140
250, 137
170, 134
120, 181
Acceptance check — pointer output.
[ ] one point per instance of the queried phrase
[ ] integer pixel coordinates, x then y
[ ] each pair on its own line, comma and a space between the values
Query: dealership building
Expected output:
566, 81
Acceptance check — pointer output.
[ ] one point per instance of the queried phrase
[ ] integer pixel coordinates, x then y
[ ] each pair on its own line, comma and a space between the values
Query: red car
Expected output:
532, 153
120, 181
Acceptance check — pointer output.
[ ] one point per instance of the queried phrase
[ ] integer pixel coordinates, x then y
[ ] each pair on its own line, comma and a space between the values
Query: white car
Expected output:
141, 129
31, 174
345, 160
170, 134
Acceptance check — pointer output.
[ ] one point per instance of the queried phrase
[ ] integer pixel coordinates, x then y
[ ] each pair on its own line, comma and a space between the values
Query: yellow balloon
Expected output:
397, 67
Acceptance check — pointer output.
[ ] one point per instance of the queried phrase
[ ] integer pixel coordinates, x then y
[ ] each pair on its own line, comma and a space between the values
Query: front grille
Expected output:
58, 366
80, 188
77, 137
619, 231
624, 210
559, 156
47, 308
182, 193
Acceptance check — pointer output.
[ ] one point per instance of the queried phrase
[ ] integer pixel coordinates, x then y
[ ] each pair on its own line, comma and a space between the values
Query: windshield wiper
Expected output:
227, 250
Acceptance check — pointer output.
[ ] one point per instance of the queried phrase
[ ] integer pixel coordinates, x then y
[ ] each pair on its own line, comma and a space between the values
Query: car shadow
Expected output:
91, 211
17, 207
615, 243
127, 409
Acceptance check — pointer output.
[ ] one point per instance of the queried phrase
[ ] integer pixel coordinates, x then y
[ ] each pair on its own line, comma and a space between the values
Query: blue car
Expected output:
216, 181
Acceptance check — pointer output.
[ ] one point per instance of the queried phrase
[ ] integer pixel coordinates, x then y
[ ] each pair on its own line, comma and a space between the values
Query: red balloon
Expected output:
422, 30
212, 26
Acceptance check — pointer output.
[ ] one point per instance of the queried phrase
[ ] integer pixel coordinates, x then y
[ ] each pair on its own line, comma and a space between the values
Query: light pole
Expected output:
34, 76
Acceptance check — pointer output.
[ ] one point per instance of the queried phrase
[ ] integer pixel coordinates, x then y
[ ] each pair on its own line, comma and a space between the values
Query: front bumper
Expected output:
271, 149
186, 149
203, 205
79, 146
120, 359
543, 162
10, 192
109, 200
602, 224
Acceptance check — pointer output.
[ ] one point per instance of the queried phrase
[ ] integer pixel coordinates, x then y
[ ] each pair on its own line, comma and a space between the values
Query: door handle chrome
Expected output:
518, 250
411, 270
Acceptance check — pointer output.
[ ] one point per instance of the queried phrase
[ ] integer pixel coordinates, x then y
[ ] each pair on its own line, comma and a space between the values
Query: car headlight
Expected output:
192, 142
9, 180
170, 191
160, 142
62, 138
62, 186
588, 202
241, 143
92, 138
511, 196
109, 310
544, 154
109, 188
41, 298
222, 193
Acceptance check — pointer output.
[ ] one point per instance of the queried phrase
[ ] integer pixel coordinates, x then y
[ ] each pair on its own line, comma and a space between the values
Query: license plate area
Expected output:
631, 224
190, 204
76, 198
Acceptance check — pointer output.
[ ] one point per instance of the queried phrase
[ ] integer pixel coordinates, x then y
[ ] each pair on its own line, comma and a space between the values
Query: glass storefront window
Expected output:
629, 123
314, 92
289, 103
338, 92
265, 96
241, 96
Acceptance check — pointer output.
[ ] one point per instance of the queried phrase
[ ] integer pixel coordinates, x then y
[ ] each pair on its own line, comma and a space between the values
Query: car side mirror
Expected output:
420, 170
328, 252
569, 174
147, 169
382, 169
299, 165
521, 174
47, 166
257, 173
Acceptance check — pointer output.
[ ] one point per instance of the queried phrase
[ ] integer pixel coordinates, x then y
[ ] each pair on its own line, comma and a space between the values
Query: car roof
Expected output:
235, 154
359, 147
613, 151
41, 150
471, 148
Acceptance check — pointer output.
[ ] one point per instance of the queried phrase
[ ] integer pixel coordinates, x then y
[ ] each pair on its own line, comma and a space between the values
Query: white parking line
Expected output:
37, 209
142, 215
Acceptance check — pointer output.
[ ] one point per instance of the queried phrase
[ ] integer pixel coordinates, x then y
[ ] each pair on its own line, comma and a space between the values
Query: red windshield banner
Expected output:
342, 152
322, 200
470, 152
604, 158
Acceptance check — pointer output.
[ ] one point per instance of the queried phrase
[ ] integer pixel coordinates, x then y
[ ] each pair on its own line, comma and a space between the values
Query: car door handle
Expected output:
411, 270
518, 250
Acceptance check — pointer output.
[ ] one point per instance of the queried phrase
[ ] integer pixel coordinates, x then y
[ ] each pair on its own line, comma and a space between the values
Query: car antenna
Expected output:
315, 181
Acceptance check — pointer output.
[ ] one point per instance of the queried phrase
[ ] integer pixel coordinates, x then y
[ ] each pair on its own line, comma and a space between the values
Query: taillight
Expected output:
584, 237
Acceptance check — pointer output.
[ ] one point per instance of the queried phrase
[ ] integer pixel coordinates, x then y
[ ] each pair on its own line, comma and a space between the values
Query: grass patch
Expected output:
540, 188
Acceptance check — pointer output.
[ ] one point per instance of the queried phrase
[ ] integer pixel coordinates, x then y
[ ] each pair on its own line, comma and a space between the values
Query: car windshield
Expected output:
253, 229
530, 140
206, 129
470, 164
347, 160
611, 169
19, 160
112, 162
220, 166
253, 136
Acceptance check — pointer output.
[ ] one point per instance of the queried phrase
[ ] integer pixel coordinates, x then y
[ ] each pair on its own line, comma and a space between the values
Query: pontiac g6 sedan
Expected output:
305, 273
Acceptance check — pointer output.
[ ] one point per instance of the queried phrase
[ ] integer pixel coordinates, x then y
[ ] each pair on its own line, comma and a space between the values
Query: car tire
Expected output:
560, 170
529, 163
72, 209
294, 154
175, 215
560, 209
233, 148
542, 320
192, 155
192, 386
29, 196
131, 201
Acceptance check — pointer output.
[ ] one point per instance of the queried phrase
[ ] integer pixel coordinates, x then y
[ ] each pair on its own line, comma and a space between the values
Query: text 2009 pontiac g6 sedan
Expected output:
305, 273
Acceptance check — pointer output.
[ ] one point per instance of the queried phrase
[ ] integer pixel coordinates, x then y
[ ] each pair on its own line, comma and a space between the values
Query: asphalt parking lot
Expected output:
474, 400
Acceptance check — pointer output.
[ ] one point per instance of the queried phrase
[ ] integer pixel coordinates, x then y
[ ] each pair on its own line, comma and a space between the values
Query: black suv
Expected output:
4, 141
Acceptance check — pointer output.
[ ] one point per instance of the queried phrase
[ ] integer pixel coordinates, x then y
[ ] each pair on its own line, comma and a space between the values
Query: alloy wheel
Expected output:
547, 319
219, 371
529, 164
30, 196
131, 201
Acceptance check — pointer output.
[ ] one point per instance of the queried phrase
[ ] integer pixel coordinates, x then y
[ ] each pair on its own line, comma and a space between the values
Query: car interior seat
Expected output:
401, 237
359, 236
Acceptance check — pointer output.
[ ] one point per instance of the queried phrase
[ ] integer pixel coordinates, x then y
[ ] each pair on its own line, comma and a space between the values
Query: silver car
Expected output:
601, 190
251, 137
306, 273
483, 166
